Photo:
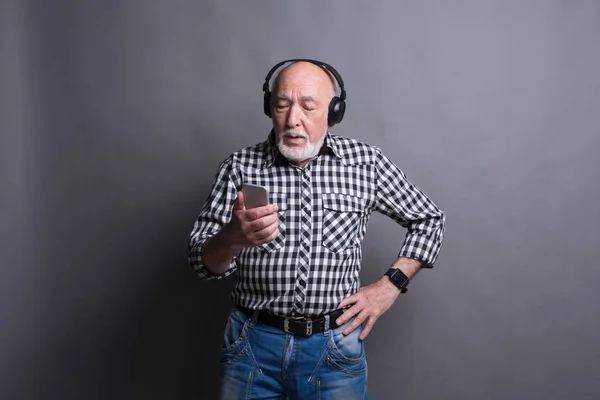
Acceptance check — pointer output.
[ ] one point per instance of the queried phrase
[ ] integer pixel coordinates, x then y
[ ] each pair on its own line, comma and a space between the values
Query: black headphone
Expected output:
337, 105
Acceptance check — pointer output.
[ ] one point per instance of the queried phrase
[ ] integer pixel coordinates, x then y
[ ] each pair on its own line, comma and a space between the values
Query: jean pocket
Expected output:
234, 337
347, 352
343, 221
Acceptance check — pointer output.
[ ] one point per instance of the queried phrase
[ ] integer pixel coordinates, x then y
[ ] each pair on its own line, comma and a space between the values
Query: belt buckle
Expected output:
286, 325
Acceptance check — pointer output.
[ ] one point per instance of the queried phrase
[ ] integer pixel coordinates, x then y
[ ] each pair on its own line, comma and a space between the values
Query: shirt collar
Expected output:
272, 152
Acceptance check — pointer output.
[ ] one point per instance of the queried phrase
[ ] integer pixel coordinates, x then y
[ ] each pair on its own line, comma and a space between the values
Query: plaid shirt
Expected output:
323, 213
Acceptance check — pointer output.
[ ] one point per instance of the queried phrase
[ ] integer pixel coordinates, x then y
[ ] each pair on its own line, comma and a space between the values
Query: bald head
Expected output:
303, 71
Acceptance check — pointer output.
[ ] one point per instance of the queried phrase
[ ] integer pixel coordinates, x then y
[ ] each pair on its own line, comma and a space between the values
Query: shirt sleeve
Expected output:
215, 213
403, 202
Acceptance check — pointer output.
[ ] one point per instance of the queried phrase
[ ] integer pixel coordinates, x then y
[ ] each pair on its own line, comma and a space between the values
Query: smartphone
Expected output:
255, 195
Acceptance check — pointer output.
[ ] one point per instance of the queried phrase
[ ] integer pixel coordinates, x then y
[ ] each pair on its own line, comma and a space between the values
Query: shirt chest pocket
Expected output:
343, 221
280, 200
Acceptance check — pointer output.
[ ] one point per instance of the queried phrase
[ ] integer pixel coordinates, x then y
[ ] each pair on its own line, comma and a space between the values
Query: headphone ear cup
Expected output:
337, 108
267, 104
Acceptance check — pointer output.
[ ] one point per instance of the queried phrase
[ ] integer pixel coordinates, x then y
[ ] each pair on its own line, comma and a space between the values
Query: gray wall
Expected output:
114, 116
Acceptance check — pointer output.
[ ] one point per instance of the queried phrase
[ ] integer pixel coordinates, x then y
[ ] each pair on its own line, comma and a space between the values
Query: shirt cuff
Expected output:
195, 259
421, 249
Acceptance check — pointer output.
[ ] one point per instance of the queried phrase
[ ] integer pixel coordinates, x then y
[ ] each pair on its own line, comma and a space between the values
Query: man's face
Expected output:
300, 106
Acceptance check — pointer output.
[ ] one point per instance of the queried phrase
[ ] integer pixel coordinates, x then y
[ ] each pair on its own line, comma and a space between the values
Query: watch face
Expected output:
399, 278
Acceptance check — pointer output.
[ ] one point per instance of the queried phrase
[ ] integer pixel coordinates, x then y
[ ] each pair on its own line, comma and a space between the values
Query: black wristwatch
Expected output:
398, 278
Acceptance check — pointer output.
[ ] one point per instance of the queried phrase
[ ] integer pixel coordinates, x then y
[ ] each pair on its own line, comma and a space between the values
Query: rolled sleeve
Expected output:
215, 213
406, 204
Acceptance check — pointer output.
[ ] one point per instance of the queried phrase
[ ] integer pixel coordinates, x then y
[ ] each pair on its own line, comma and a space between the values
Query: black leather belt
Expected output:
299, 326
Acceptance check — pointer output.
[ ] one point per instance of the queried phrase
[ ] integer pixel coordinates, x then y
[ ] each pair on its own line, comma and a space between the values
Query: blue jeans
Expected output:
259, 361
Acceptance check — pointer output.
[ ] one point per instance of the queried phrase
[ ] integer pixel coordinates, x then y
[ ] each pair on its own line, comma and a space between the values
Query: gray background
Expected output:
114, 116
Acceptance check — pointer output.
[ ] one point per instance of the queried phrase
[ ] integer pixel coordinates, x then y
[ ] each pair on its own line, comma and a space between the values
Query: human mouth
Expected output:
293, 137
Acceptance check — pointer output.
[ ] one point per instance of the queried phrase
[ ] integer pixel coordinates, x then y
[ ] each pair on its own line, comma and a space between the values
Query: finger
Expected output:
259, 212
239, 202
266, 234
367, 328
348, 301
358, 320
348, 314
273, 236
260, 224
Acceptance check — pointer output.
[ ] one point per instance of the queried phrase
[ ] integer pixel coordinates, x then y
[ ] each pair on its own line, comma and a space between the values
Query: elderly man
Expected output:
301, 316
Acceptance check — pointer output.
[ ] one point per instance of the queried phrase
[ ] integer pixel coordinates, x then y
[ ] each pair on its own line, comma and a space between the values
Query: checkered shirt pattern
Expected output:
323, 213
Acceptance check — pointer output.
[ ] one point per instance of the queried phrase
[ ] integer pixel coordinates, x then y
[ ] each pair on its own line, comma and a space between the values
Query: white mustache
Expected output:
295, 132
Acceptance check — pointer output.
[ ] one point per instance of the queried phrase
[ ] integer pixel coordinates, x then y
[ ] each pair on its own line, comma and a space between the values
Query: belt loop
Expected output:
254, 318
326, 328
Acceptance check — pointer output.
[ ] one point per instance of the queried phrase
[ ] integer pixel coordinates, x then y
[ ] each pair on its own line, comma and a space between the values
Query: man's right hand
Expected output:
247, 228
251, 227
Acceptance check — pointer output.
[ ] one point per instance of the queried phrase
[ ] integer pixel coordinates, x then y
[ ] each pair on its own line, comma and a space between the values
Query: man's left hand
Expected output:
368, 305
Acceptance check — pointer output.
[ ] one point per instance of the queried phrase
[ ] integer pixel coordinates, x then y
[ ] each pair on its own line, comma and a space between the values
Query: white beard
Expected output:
309, 151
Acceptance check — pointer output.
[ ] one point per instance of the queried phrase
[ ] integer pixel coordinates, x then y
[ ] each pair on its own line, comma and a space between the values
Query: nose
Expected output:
293, 117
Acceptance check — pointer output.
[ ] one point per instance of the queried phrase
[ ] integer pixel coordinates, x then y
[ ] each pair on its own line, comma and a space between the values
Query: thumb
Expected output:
239, 202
